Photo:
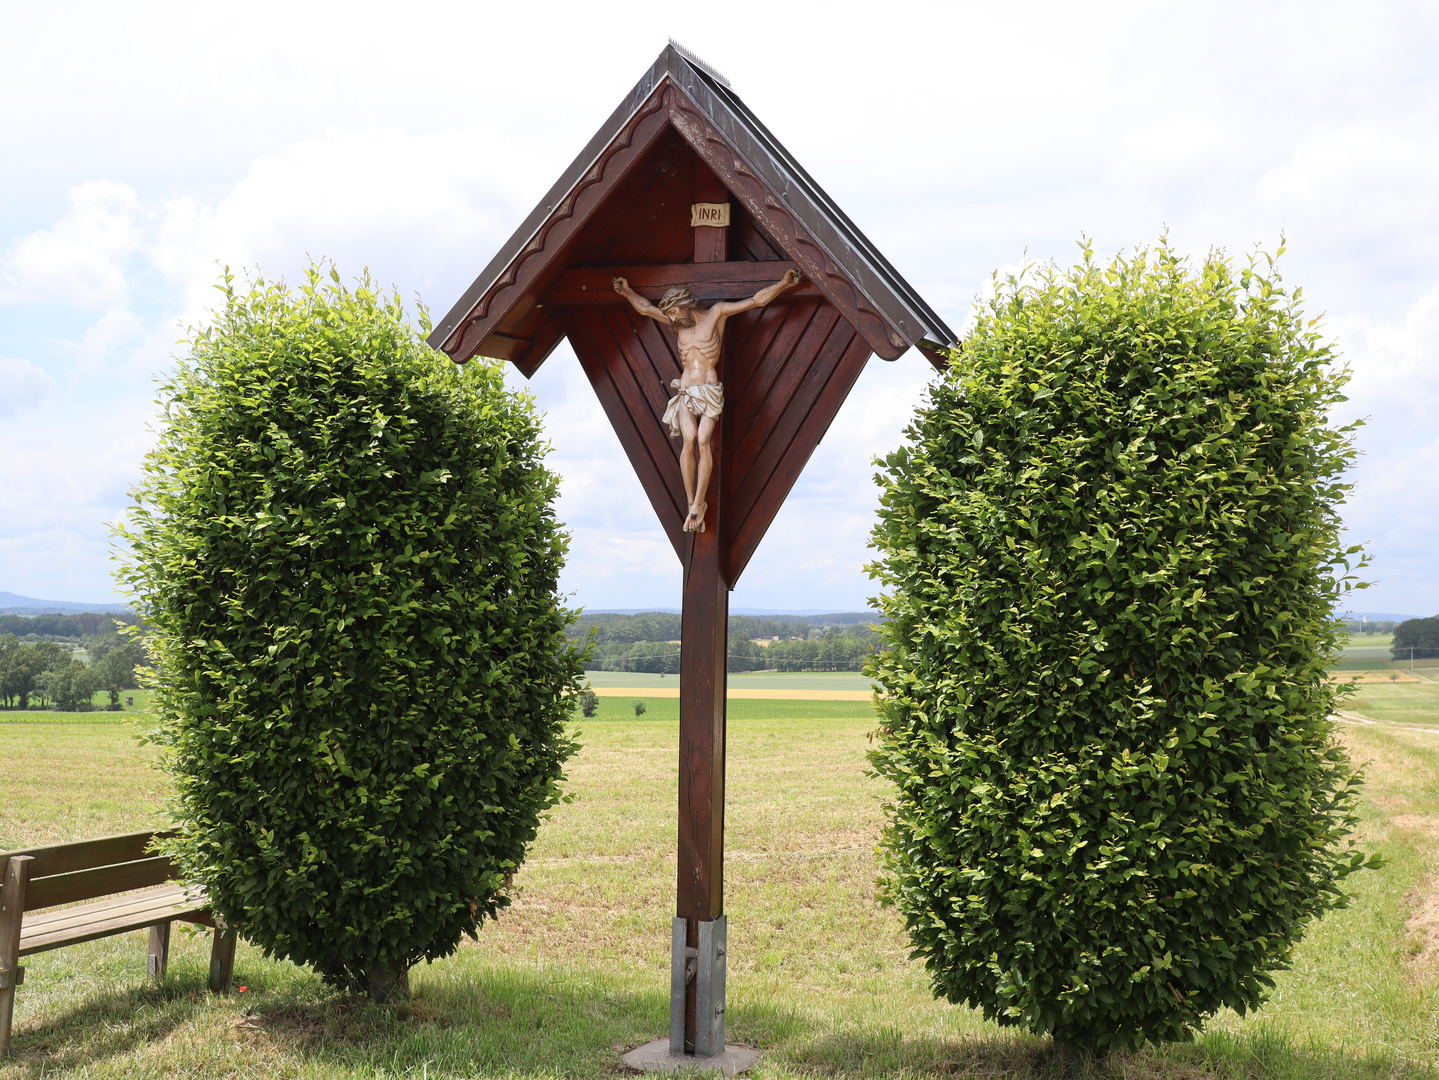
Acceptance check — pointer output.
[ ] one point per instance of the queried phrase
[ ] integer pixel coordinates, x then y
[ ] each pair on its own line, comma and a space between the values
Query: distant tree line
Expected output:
1363, 626
1419, 635
68, 627
648, 642
38, 673
833, 649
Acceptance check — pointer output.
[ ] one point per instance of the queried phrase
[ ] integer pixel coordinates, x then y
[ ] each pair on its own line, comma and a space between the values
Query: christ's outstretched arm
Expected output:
761, 298
638, 302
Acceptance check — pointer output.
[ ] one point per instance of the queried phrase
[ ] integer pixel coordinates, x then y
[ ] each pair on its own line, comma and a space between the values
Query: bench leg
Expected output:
159, 956
222, 961
12, 910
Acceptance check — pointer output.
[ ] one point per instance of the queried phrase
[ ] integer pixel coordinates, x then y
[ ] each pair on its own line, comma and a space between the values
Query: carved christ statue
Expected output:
695, 409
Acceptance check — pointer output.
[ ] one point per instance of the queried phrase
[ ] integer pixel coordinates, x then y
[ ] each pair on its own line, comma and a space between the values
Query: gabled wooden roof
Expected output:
602, 213
624, 208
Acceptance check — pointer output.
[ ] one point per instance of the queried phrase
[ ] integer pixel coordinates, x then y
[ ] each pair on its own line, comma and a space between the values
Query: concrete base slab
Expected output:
655, 1057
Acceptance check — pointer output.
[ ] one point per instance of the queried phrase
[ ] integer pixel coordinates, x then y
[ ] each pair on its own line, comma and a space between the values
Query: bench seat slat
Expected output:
98, 881
164, 896
75, 925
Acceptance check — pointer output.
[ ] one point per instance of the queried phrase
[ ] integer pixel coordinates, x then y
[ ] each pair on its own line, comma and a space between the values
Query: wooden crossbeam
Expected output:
591, 286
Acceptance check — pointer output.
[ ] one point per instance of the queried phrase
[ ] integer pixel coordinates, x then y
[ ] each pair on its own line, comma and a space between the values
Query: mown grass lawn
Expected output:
1403, 703
577, 971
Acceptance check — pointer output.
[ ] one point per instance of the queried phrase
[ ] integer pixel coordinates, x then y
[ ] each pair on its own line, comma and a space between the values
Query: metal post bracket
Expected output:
709, 989
698, 970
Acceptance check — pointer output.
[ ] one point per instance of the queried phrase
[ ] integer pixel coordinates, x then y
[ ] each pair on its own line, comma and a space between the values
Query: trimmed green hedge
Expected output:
347, 549
1111, 556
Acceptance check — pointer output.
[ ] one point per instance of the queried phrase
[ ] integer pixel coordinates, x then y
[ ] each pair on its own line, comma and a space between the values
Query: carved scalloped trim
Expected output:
565, 210
782, 226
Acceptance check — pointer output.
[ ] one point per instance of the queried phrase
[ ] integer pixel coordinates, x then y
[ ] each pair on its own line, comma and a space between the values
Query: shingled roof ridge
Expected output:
694, 58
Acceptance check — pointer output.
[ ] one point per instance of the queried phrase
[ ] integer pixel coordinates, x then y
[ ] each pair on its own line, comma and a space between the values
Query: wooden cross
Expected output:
704, 648
684, 187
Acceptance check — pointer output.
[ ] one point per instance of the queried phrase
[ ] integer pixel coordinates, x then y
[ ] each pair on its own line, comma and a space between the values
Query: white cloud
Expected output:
371, 198
1395, 503
68, 467
109, 334
1171, 149
83, 260
1229, 123
22, 385
1365, 189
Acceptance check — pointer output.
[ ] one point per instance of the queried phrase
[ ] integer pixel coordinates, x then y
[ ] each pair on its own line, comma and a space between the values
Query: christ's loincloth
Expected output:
703, 399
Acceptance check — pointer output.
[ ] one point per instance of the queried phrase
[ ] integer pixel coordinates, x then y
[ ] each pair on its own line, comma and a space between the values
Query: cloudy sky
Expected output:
146, 144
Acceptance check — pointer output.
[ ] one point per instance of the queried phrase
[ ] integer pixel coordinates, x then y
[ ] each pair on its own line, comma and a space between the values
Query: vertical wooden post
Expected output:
704, 633
222, 959
12, 911
158, 960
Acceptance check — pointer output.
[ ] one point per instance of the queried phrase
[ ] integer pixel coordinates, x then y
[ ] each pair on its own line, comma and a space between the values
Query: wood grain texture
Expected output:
164, 896
158, 960
532, 351
83, 854
779, 363
623, 375
704, 629
222, 961
786, 367
97, 881
766, 496
700, 870
91, 922
593, 286
16, 876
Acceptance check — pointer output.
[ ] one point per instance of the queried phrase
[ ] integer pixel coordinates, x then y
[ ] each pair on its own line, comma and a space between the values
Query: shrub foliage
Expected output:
1111, 557
346, 547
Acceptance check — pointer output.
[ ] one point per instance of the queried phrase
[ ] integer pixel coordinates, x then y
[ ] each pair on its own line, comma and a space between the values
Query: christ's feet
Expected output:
696, 521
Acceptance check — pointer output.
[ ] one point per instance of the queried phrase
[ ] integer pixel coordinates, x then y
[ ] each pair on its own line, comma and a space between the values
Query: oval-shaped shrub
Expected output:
347, 550
1111, 554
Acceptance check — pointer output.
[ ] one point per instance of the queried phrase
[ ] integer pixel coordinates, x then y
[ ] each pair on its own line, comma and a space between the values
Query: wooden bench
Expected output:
96, 870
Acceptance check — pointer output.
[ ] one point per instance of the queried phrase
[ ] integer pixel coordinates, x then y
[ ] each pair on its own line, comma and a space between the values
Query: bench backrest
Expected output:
65, 873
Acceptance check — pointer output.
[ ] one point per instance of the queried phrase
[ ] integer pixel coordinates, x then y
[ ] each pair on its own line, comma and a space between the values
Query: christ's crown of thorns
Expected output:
675, 297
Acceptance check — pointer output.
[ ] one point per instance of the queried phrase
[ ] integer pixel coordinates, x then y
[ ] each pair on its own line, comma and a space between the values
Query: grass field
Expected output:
1406, 703
577, 970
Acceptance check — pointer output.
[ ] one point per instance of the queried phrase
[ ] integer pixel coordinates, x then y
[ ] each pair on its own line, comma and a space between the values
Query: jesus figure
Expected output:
695, 409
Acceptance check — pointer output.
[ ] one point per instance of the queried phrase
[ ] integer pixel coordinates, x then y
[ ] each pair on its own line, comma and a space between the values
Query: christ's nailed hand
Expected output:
620, 285
793, 277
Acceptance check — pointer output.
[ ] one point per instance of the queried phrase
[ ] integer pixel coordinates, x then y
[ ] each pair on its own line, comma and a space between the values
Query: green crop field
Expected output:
99, 709
740, 680
1371, 652
577, 970
740, 710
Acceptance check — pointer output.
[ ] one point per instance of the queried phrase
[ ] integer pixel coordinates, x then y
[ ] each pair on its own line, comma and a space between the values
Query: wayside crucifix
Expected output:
705, 283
